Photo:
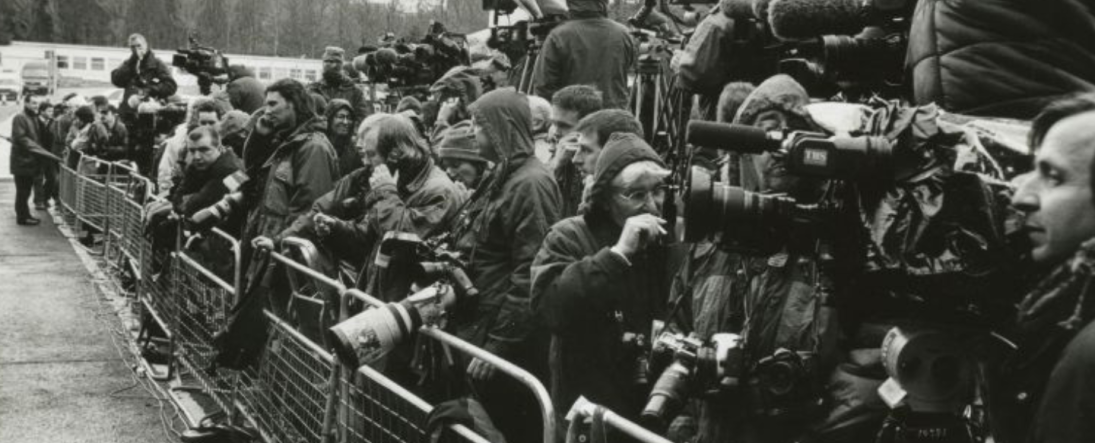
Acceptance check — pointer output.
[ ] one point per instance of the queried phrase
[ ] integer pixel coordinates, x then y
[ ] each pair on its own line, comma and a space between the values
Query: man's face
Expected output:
772, 168
486, 148
403, 157
138, 47
341, 122
1056, 197
462, 171
563, 121
31, 104
589, 149
107, 116
366, 146
332, 66
636, 191
279, 112
207, 118
201, 154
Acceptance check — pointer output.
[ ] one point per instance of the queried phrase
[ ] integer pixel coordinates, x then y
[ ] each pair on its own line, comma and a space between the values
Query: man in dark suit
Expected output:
26, 134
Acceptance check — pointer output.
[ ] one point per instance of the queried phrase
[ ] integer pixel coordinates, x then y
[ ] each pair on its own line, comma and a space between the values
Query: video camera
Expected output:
205, 62
415, 64
778, 384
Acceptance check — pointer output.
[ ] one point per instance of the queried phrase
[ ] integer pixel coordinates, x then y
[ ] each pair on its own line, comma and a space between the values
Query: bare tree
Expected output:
118, 11
231, 14
188, 13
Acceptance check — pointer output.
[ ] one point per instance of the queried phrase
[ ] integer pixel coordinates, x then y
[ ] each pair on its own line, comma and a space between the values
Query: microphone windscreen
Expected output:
386, 56
738, 138
804, 19
737, 8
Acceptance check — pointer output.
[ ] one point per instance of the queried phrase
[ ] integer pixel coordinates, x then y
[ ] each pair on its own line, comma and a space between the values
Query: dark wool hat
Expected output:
621, 150
458, 143
333, 53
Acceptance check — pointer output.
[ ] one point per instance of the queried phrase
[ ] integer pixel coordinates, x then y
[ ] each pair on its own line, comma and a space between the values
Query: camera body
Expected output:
694, 366
223, 209
205, 62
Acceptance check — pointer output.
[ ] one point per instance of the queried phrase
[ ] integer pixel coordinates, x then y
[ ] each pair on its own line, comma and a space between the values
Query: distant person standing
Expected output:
142, 75
588, 49
336, 84
26, 135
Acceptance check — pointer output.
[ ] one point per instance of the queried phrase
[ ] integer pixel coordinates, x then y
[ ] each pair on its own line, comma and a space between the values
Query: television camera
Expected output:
414, 65
205, 62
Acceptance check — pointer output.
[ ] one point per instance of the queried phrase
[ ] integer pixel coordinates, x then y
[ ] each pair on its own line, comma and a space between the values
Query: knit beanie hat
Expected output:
234, 121
621, 150
458, 143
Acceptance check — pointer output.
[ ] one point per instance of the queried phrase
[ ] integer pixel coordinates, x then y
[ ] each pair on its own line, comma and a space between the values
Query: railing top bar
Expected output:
368, 299
523, 376
632, 429
311, 272
219, 233
206, 272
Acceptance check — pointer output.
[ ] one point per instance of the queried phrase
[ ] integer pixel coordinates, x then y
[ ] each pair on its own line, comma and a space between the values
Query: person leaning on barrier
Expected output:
403, 191
499, 233
142, 76
300, 166
336, 84
1044, 391
587, 49
203, 111
568, 106
208, 164
602, 278
116, 145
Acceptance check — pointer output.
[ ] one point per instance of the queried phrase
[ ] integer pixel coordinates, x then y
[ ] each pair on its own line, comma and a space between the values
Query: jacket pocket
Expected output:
278, 188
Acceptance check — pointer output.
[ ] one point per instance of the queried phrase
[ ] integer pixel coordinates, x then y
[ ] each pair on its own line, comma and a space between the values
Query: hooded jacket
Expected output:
503, 225
245, 92
345, 89
349, 158
462, 82
589, 296
1001, 58
301, 167
588, 49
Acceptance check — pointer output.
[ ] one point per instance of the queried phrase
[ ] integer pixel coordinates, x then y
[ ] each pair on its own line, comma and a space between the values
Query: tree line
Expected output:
286, 28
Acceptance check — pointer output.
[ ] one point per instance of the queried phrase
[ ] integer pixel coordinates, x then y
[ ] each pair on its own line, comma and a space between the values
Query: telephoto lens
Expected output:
668, 396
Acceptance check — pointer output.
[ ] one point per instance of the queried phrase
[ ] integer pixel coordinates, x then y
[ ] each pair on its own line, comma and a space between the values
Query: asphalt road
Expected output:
62, 377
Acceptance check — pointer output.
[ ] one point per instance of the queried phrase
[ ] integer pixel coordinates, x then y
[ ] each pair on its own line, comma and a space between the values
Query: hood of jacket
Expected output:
779, 93
333, 107
507, 119
587, 8
621, 150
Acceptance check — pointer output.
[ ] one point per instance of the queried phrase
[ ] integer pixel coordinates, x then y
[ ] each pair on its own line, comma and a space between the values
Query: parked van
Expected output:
10, 87
37, 79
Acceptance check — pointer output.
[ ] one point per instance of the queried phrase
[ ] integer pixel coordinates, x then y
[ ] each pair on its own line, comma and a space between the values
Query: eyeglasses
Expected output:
640, 196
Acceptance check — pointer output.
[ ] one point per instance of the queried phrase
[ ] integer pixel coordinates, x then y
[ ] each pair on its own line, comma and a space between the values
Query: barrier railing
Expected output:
298, 391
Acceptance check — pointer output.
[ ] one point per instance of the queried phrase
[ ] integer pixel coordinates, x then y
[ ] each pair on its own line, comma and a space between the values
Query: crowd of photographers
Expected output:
564, 218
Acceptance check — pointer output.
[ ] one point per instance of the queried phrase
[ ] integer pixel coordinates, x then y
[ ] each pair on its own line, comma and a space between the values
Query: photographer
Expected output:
587, 49
403, 191
501, 230
453, 92
772, 293
142, 76
460, 158
603, 276
336, 84
1044, 392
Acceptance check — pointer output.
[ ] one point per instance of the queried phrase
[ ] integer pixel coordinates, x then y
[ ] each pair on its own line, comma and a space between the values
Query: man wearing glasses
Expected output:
600, 279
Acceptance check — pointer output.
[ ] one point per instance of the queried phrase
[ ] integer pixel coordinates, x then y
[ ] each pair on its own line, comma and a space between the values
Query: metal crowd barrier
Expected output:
586, 409
298, 392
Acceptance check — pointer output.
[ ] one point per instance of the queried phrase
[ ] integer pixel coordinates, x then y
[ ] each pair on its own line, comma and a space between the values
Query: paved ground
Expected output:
62, 379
